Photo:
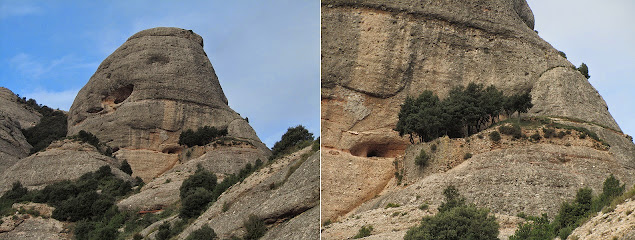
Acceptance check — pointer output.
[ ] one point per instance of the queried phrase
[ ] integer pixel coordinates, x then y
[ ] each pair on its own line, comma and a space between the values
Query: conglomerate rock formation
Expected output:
376, 53
156, 85
13, 117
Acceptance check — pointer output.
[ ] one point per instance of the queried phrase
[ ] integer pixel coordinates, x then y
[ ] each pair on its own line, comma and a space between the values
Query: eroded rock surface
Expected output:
63, 160
284, 194
376, 53
616, 224
154, 86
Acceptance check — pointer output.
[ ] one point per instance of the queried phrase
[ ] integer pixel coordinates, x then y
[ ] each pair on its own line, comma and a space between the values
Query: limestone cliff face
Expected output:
376, 53
13, 117
156, 85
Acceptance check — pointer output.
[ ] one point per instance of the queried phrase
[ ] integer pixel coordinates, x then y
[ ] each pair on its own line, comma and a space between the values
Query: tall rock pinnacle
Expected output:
154, 86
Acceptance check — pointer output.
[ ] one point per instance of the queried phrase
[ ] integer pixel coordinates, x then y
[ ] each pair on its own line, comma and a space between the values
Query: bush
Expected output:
549, 132
452, 199
291, 138
365, 231
422, 159
456, 220
513, 130
52, 127
125, 167
584, 70
205, 232
467, 156
433, 148
201, 136
392, 205
535, 136
495, 136
200, 179
195, 202
164, 231
255, 228
17, 192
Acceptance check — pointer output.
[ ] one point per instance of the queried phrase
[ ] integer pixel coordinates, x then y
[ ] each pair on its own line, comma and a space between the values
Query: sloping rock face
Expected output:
13, 117
376, 53
616, 224
53, 165
8, 104
156, 85
289, 209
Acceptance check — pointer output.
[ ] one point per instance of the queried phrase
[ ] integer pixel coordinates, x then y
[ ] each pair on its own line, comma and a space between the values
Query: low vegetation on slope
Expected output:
456, 220
571, 214
465, 111
88, 201
201, 136
294, 139
52, 126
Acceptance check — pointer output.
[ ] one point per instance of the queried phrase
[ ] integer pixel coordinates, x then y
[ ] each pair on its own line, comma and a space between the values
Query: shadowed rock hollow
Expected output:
376, 53
154, 86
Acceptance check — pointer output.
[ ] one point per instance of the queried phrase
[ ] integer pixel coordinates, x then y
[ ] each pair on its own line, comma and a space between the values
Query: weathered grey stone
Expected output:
284, 191
32, 228
8, 104
156, 85
13, 145
65, 160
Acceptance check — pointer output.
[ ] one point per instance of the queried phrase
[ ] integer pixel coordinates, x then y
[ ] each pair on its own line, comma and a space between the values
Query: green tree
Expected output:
291, 138
195, 202
200, 179
125, 167
422, 159
584, 69
205, 232
455, 220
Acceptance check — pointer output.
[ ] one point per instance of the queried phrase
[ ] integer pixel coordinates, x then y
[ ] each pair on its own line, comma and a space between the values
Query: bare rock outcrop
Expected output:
154, 86
13, 117
376, 53
9, 105
54, 165
284, 194
616, 224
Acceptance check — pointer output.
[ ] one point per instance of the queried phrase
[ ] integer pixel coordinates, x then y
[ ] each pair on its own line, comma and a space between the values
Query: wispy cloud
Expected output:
35, 69
16, 9
62, 99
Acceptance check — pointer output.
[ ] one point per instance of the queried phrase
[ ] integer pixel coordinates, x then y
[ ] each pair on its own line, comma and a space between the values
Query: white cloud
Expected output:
34, 69
19, 9
62, 100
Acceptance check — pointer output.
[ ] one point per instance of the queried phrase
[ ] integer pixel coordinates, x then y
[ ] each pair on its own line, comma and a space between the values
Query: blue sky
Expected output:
601, 34
266, 53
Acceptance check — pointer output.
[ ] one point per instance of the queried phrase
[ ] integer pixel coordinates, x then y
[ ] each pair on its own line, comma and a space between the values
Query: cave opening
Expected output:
371, 149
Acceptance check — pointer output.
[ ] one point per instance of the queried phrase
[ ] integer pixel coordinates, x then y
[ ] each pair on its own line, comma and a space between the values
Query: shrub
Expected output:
452, 199
52, 126
456, 220
201, 136
562, 54
433, 148
365, 231
125, 167
17, 192
422, 159
495, 136
513, 130
535, 136
392, 205
205, 232
255, 228
549, 132
195, 202
467, 156
291, 138
584, 70
424, 206
200, 179
164, 231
